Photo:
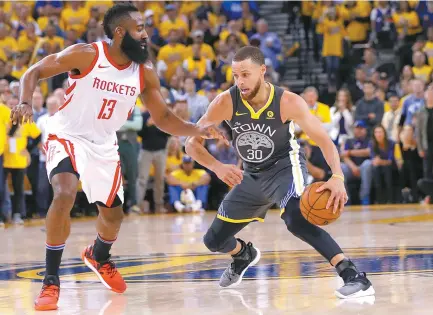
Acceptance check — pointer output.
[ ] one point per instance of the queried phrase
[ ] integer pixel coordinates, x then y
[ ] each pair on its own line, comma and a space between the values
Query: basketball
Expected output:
313, 205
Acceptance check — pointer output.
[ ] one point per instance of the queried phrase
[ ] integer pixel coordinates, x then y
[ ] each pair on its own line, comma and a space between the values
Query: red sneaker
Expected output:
106, 271
49, 295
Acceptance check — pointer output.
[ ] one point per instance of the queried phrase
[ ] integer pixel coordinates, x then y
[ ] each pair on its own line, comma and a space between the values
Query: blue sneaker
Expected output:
365, 201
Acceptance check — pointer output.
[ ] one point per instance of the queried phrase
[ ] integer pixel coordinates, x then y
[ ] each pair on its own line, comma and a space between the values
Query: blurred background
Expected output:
363, 67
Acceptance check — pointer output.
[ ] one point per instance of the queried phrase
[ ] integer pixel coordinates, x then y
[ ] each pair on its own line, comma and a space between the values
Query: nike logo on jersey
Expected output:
240, 114
101, 66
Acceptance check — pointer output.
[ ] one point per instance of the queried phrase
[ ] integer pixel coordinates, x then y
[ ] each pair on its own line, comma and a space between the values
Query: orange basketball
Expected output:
313, 205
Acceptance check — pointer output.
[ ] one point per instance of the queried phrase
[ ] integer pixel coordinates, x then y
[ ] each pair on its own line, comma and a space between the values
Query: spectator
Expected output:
223, 62
383, 155
52, 43
8, 43
316, 164
333, 36
413, 103
307, 10
233, 9
21, 61
356, 16
173, 22
75, 16
45, 8
383, 30
424, 134
234, 27
28, 39
170, 56
407, 22
155, 40
197, 65
44, 190
211, 92
23, 18
384, 84
197, 104
357, 163
341, 117
127, 141
391, 118
420, 69
370, 62
4, 73
270, 43
357, 88
153, 152
428, 46
185, 180
4, 122
174, 155
16, 160
369, 109
206, 50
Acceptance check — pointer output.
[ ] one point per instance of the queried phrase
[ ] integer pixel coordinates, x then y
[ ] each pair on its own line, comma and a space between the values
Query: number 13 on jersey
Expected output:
107, 109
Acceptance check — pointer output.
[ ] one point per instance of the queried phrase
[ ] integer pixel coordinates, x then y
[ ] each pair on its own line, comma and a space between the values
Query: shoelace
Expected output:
49, 290
360, 277
108, 267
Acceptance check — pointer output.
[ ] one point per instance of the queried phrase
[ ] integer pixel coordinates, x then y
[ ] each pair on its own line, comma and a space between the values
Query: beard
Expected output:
133, 49
254, 92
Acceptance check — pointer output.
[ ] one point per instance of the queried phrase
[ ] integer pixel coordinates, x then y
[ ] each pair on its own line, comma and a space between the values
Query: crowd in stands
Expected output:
380, 115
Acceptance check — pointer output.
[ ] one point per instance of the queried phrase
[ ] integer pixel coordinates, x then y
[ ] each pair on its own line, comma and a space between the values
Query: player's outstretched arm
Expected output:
220, 109
79, 56
163, 117
293, 107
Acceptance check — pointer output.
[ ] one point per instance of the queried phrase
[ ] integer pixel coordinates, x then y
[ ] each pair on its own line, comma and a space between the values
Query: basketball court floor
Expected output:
169, 271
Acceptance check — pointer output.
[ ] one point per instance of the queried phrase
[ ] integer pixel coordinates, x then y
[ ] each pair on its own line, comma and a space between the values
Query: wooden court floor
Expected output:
169, 271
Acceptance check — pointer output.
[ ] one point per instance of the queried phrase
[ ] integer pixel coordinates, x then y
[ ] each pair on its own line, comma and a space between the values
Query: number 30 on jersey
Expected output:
107, 109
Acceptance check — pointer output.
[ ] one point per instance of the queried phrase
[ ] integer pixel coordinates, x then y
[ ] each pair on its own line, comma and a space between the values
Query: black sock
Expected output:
101, 249
346, 269
53, 258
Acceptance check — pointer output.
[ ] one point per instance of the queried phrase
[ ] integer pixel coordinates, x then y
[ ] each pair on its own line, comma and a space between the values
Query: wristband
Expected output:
338, 176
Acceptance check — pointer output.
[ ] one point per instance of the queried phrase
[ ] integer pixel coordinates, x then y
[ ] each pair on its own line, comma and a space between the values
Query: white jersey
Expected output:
99, 100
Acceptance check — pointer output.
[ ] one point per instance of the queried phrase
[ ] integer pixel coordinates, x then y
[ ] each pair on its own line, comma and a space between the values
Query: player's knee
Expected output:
294, 221
210, 241
64, 198
112, 216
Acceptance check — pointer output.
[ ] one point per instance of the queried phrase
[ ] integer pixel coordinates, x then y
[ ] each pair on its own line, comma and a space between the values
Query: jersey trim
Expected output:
111, 61
254, 114
90, 68
115, 187
239, 220
66, 103
141, 74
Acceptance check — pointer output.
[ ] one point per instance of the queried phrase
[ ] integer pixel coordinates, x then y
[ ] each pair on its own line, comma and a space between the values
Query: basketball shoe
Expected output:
247, 257
105, 270
49, 295
356, 285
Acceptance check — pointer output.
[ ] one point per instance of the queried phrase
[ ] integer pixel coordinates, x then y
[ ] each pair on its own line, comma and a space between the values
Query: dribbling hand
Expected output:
22, 113
229, 174
338, 193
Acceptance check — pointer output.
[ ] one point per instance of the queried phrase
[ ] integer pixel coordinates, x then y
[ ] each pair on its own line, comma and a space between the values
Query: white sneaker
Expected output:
179, 206
197, 206
2, 225
17, 219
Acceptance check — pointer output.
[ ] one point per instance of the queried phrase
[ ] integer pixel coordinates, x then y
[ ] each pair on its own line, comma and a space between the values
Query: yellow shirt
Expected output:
386, 107
13, 155
205, 50
5, 113
26, 44
55, 40
3, 55
318, 13
242, 36
229, 75
414, 26
197, 65
195, 175
43, 23
188, 7
75, 19
166, 52
307, 8
10, 43
357, 31
422, 73
19, 73
429, 46
333, 41
168, 25
322, 112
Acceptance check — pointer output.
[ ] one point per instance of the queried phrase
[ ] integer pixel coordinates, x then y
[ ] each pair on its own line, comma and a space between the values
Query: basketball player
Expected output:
104, 83
262, 118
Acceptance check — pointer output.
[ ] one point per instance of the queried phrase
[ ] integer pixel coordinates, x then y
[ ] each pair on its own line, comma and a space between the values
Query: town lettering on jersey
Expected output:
262, 128
113, 87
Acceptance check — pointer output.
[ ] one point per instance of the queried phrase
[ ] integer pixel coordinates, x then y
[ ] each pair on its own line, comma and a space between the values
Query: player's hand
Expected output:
22, 113
229, 174
338, 193
212, 132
